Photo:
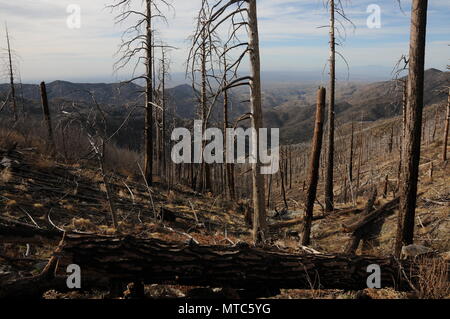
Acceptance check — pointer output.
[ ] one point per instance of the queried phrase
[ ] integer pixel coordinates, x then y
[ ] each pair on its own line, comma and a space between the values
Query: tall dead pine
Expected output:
314, 166
413, 125
329, 197
148, 128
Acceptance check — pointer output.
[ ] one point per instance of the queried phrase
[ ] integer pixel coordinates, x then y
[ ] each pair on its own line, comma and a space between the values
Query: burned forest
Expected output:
212, 163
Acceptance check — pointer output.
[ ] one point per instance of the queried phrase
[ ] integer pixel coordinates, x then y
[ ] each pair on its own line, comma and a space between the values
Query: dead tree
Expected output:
94, 124
138, 44
336, 8
282, 185
446, 129
47, 119
369, 227
229, 167
161, 120
11, 76
242, 15
414, 108
314, 166
329, 197
200, 69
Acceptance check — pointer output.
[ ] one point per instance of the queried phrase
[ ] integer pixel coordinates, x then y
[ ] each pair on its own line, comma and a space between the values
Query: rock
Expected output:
414, 251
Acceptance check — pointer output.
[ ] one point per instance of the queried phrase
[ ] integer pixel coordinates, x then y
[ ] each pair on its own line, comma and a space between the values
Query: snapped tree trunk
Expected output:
47, 119
411, 144
314, 166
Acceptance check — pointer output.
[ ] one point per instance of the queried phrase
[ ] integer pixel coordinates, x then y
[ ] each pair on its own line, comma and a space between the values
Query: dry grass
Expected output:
433, 278
5, 176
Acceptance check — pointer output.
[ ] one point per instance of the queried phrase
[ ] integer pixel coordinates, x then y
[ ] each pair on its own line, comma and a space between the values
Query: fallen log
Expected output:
382, 212
18, 232
360, 232
289, 223
153, 261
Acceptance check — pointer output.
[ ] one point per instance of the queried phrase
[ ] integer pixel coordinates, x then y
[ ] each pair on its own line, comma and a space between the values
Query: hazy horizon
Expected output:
290, 37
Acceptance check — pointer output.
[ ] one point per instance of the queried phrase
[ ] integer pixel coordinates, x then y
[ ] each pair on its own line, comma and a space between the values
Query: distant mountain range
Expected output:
289, 106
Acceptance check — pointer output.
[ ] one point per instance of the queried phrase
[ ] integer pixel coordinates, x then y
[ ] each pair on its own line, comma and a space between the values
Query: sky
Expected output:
49, 48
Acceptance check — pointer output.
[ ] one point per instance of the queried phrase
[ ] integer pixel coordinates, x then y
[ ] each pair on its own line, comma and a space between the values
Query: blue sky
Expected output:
290, 38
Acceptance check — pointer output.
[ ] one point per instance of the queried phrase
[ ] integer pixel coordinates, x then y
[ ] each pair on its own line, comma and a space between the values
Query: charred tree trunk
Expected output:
350, 163
314, 167
148, 129
329, 196
283, 188
157, 262
411, 150
47, 119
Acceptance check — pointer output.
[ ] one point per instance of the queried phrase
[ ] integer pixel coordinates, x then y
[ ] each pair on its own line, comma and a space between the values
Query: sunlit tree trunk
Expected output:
411, 144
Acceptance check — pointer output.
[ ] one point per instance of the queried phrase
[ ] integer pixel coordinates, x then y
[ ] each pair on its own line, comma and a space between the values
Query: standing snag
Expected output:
138, 44
413, 126
47, 119
314, 166
11, 75
329, 197
241, 14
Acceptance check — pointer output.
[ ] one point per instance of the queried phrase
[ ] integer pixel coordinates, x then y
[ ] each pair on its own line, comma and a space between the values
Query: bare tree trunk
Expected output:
11, 76
229, 168
259, 216
269, 191
391, 140
109, 193
447, 125
290, 167
163, 116
283, 188
47, 119
148, 129
329, 197
350, 164
402, 136
314, 166
411, 149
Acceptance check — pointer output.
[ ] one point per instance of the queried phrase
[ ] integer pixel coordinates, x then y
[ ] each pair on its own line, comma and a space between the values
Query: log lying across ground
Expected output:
371, 223
18, 232
154, 261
